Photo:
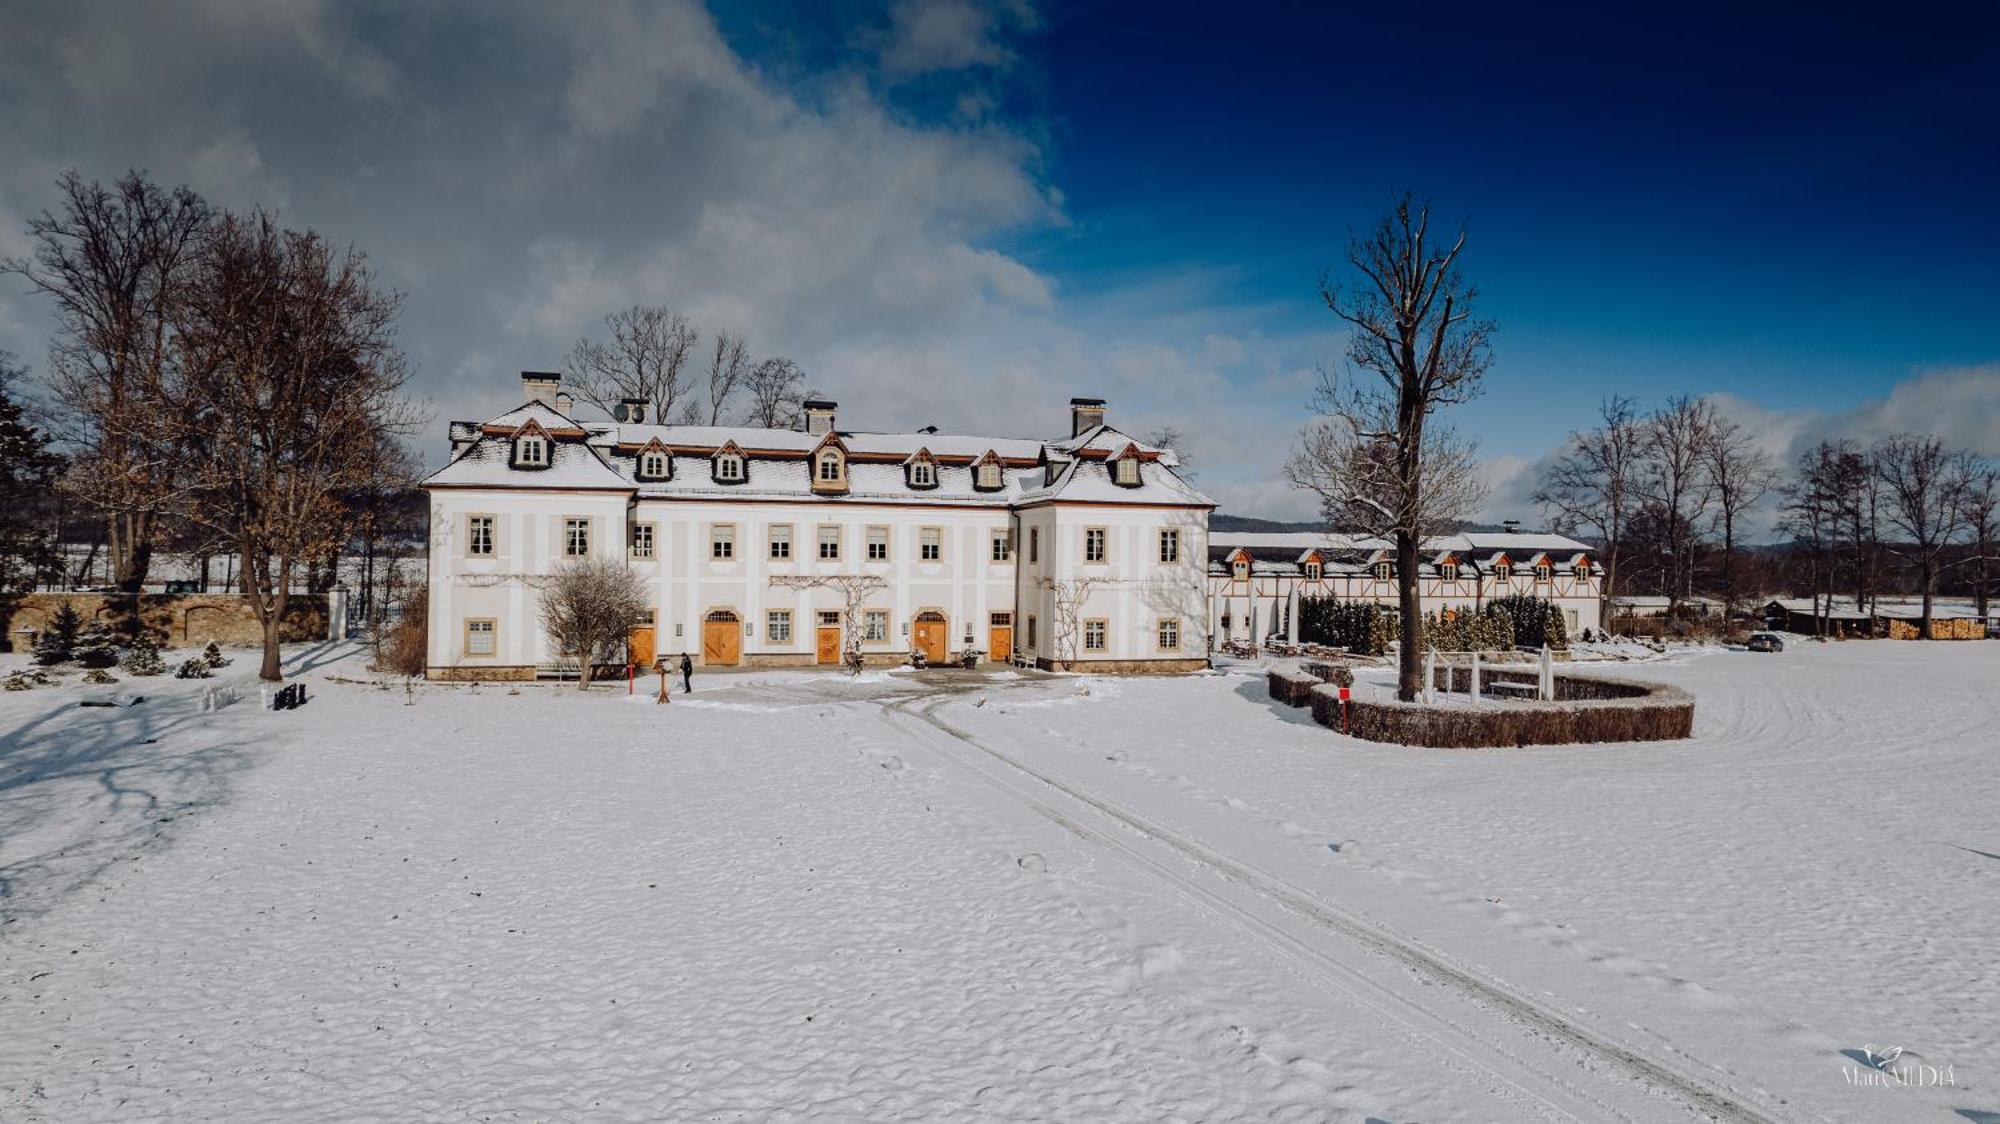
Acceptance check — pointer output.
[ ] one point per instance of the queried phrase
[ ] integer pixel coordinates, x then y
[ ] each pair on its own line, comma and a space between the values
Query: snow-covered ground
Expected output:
793, 895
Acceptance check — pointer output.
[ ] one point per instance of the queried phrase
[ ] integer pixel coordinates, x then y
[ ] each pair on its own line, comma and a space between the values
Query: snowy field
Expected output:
1017, 897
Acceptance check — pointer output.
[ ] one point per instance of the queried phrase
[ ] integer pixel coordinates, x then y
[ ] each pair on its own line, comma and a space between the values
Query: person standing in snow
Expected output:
687, 674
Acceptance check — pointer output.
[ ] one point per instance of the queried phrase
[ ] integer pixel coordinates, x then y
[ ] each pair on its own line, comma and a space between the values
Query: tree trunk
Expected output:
1930, 587
272, 669
1409, 661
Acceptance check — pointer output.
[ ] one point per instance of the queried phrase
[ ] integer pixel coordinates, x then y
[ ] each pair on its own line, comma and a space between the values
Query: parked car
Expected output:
1765, 642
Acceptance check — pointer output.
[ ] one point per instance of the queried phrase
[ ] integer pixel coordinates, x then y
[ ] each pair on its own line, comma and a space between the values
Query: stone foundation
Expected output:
175, 619
1125, 667
483, 674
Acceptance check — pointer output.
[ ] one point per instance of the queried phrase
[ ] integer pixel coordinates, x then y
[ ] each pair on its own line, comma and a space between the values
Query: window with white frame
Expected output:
875, 625
729, 467
1448, 571
1003, 546
531, 451
1127, 472
1170, 634
653, 465
479, 536
778, 626
1094, 632
1382, 571
1543, 572
829, 543
987, 476
722, 542
930, 543
781, 542
878, 544
829, 466
1093, 544
642, 540
1170, 545
1312, 569
1503, 572
829, 618
923, 474
1240, 569
576, 537
481, 636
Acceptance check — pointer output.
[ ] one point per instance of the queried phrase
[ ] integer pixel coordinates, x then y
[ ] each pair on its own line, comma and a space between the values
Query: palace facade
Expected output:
783, 547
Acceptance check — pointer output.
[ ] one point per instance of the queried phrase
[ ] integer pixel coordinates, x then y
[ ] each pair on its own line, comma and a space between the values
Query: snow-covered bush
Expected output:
194, 667
144, 656
99, 675
57, 643
96, 647
212, 655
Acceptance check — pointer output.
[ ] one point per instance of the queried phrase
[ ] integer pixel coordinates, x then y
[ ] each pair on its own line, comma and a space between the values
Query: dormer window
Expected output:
1312, 569
922, 472
1544, 571
653, 464
1583, 568
729, 467
829, 467
1502, 571
1381, 571
988, 477
1240, 569
531, 450
1448, 571
1125, 472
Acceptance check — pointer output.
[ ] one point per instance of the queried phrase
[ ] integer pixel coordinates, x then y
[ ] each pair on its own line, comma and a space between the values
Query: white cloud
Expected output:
926, 36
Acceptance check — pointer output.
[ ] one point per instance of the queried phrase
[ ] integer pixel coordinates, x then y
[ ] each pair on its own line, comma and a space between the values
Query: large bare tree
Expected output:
115, 260
727, 362
1740, 476
1923, 492
1812, 516
589, 607
646, 356
1372, 453
1593, 484
287, 384
1675, 485
1982, 492
777, 394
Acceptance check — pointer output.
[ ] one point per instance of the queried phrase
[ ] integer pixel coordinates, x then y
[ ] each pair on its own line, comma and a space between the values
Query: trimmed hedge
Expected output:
1585, 710
1291, 687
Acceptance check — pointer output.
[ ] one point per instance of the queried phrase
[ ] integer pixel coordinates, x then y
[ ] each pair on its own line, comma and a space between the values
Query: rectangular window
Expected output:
481, 637
1170, 545
878, 544
1001, 620
875, 626
1034, 544
778, 626
1031, 632
829, 618
1093, 635
1093, 544
642, 540
1170, 635
829, 543
781, 542
930, 544
576, 537
1003, 546
722, 542
479, 536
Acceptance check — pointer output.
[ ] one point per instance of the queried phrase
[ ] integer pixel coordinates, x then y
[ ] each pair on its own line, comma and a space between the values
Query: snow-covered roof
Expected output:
1518, 547
487, 463
1090, 482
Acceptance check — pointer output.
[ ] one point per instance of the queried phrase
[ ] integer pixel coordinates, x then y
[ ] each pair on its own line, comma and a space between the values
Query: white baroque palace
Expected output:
771, 547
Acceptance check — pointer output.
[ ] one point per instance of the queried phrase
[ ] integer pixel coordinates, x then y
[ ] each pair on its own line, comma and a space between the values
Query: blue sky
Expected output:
960, 214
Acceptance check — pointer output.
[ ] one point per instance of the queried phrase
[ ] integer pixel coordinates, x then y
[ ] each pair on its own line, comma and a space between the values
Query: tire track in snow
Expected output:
1699, 1094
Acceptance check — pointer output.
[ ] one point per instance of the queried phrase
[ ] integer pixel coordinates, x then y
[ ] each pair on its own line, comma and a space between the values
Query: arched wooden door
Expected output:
721, 639
929, 636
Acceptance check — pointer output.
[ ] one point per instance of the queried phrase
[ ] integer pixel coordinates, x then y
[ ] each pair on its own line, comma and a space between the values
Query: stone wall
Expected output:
177, 620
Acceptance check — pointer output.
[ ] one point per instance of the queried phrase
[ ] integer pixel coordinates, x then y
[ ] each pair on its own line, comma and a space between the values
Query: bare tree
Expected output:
589, 607
1812, 516
1066, 601
1923, 486
114, 259
855, 590
1593, 485
1740, 475
646, 357
1982, 490
777, 394
287, 382
1675, 485
727, 362
1372, 453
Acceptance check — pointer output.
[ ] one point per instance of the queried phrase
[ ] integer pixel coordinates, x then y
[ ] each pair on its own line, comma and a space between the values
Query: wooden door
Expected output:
721, 640
828, 650
1000, 648
928, 636
640, 643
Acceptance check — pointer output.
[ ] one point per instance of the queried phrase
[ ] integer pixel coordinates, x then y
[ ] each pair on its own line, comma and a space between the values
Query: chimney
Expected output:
541, 386
1085, 414
564, 403
819, 415
631, 410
